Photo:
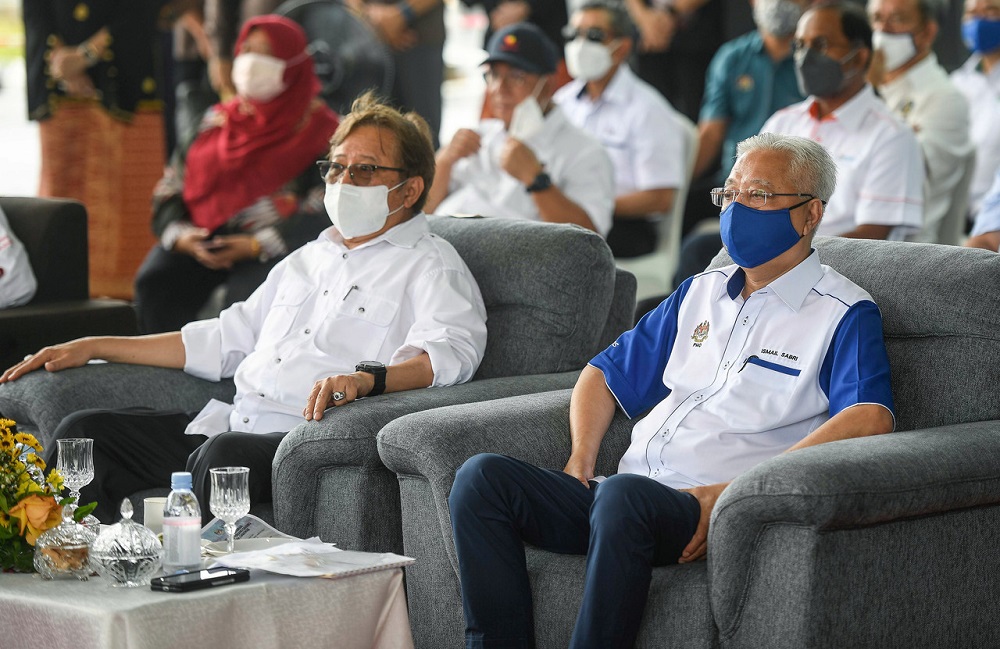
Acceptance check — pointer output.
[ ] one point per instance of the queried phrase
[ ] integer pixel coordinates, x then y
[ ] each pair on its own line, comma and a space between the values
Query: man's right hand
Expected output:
580, 469
656, 30
75, 353
464, 143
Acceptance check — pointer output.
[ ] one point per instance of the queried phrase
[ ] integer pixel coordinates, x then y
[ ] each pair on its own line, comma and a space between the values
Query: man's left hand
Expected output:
325, 392
517, 159
388, 21
707, 496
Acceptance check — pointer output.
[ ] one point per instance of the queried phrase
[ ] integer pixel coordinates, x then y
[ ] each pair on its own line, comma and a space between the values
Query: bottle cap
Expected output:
180, 480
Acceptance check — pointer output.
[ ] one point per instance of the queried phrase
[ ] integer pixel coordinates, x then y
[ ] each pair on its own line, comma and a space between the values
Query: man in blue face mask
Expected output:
880, 171
979, 80
769, 355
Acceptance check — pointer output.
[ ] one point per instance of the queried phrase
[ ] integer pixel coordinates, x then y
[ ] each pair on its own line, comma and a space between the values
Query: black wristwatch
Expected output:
540, 183
377, 370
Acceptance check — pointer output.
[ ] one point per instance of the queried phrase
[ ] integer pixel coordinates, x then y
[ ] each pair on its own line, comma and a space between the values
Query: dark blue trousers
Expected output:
625, 525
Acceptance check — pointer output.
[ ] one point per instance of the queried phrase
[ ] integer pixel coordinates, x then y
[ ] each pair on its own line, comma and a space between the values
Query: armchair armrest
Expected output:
535, 428
328, 479
797, 536
40, 400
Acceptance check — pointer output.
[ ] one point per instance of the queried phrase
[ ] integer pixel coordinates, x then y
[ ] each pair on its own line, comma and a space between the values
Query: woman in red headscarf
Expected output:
247, 192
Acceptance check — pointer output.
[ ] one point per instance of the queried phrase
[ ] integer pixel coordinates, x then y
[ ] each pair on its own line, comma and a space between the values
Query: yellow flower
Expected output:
35, 514
36, 461
55, 480
28, 440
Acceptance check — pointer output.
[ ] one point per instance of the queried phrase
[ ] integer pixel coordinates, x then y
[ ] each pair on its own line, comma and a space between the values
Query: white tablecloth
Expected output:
363, 611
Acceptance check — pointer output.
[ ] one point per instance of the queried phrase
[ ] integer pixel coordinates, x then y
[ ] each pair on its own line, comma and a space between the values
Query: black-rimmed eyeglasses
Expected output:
361, 174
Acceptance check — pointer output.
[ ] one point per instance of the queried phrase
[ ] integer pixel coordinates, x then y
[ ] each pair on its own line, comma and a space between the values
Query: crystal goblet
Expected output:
230, 498
76, 465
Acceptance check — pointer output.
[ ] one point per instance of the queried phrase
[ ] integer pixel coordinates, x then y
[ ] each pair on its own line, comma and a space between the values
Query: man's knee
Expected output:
620, 497
477, 476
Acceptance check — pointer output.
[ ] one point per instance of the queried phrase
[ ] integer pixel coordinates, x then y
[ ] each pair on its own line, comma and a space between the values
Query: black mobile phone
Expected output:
197, 579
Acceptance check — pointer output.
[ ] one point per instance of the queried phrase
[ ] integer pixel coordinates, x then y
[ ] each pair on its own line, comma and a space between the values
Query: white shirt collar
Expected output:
792, 287
404, 235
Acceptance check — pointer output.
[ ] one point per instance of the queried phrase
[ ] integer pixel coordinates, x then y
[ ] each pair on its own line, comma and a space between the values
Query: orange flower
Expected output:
35, 514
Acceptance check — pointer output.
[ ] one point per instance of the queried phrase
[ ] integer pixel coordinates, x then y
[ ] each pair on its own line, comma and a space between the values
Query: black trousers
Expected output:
138, 448
171, 288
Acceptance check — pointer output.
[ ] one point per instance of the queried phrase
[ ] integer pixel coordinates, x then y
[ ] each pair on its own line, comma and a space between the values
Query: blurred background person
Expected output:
91, 85
979, 80
916, 88
246, 192
986, 231
642, 133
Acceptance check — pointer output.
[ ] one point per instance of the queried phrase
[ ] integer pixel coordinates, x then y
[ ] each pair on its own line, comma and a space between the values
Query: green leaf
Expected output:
82, 512
68, 500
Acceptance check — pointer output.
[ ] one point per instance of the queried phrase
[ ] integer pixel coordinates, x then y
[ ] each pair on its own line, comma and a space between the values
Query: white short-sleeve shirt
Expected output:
640, 130
323, 309
17, 280
880, 174
929, 103
982, 91
988, 219
577, 164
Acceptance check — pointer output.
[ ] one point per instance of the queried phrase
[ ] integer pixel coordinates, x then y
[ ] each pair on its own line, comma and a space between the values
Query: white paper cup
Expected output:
152, 513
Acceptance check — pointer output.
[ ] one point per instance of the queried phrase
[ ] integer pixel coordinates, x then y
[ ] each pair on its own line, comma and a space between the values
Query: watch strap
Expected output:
541, 182
378, 371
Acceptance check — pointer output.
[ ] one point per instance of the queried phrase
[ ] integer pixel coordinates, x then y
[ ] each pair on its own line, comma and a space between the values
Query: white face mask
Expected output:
776, 17
258, 76
587, 60
896, 48
527, 118
358, 211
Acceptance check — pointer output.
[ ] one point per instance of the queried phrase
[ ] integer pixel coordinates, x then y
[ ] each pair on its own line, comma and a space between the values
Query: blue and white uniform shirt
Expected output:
733, 382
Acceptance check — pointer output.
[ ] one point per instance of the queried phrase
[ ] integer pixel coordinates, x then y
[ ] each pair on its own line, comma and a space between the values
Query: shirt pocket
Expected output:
357, 327
285, 307
762, 393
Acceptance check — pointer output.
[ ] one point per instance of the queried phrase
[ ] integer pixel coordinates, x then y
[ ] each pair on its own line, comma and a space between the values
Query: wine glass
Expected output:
230, 499
76, 465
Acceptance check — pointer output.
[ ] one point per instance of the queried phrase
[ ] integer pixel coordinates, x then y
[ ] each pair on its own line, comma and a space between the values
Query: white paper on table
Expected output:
313, 558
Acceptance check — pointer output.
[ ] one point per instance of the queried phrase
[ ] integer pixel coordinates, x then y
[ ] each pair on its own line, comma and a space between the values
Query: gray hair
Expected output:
808, 162
621, 23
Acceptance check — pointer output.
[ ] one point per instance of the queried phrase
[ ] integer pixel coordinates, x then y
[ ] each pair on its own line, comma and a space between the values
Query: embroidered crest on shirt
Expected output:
744, 82
700, 334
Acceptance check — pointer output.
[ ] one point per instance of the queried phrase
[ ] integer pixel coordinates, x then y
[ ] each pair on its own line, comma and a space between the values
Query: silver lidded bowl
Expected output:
127, 554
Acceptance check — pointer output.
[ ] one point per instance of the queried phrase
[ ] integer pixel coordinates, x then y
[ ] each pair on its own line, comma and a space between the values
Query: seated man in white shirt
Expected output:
375, 304
880, 174
979, 80
917, 90
641, 131
531, 162
17, 280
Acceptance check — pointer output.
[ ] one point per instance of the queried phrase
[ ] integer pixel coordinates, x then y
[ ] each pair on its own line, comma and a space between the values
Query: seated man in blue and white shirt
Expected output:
772, 354
376, 304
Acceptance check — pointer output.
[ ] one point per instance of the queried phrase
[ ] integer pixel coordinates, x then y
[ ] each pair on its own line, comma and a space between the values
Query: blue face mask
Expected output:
755, 237
981, 35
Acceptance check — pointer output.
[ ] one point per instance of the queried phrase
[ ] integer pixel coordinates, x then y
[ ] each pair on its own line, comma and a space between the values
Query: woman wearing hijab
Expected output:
246, 191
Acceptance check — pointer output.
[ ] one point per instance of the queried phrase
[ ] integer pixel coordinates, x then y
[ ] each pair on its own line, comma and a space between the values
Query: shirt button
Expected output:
344, 255
246, 420
326, 292
698, 398
308, 331
261, 395
277, 360
361, 309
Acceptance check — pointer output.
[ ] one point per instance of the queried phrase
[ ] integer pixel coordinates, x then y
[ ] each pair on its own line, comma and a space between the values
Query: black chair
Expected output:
54, 233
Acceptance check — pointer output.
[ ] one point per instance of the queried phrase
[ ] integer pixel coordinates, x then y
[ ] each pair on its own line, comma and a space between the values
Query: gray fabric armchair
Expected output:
875, 542
553, 299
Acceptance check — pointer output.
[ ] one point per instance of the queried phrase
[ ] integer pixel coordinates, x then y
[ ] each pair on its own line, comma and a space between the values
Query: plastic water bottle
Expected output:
181, 526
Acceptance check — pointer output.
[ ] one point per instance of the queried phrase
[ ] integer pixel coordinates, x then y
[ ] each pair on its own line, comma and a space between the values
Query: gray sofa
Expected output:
553, 299
875, 542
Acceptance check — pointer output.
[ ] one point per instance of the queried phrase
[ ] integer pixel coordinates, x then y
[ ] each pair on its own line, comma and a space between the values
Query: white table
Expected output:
364, 611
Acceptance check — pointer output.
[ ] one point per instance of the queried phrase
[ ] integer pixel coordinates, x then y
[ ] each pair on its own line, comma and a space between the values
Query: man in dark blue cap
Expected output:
530, 162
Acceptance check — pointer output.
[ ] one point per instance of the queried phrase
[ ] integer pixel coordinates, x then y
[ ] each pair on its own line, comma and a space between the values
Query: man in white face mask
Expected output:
641, 131
917, 89
530, 162
375, 304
